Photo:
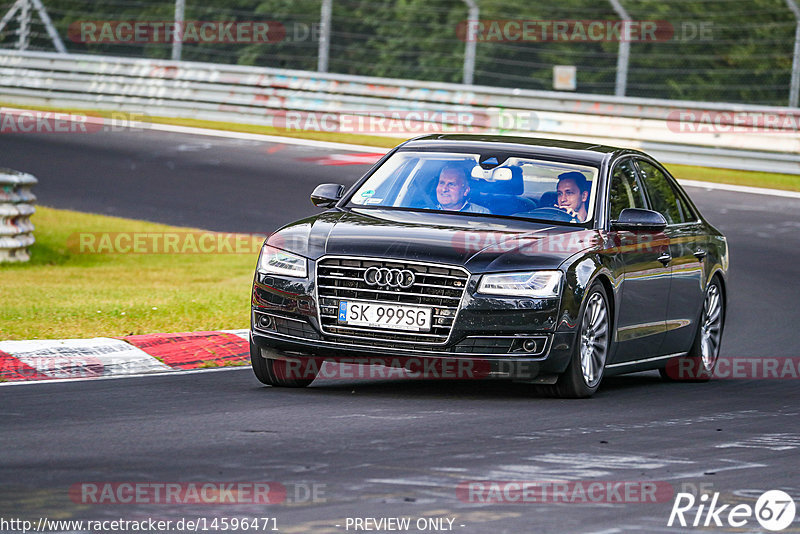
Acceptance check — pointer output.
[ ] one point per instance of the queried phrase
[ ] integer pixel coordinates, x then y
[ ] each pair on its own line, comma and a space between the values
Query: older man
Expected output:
452, 192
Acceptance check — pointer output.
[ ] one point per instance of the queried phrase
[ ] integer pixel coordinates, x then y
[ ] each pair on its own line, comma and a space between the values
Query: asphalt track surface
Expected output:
389, 447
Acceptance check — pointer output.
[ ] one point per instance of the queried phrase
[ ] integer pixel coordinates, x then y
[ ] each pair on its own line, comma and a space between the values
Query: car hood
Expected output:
480, 244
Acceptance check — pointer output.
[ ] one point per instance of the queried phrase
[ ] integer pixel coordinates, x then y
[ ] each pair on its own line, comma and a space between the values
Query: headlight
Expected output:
276, 261
537, 284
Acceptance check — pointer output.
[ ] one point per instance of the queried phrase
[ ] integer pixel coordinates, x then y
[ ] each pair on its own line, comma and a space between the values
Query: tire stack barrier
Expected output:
16, 207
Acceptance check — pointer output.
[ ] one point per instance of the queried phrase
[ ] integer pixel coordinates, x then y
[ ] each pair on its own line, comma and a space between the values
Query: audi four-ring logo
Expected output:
402, 278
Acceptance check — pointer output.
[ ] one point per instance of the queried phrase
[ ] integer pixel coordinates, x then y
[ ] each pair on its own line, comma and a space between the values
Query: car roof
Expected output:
592, 153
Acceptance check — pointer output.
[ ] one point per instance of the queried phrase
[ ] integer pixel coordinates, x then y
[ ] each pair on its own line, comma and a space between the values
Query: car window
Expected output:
625, 191
506, 185
686, 211
663, 198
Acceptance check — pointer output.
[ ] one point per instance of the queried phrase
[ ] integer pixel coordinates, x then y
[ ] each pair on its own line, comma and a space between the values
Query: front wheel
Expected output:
282, 373
699, 364
585, 370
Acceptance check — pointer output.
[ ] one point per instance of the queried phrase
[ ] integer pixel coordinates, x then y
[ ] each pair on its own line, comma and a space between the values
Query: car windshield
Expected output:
472, 183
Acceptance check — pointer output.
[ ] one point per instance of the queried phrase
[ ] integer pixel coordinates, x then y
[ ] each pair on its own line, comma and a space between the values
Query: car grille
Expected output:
438, 286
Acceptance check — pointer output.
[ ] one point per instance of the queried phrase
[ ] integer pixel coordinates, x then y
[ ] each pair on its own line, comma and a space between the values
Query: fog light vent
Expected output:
531, 346
266, 322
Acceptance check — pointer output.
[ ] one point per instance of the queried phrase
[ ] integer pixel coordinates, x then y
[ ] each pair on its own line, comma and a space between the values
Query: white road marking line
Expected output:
773, 442
263, 137
741, 189
610, 461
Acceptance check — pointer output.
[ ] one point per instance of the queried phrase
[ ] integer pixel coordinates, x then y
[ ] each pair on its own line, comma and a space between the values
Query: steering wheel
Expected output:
425, 204
552, 213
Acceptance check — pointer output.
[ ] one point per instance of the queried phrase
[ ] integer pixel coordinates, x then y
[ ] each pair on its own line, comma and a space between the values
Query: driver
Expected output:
452, 192
573, 192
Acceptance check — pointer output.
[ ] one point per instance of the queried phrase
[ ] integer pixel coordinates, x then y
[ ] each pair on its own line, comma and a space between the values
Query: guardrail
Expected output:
711, 134
16, 207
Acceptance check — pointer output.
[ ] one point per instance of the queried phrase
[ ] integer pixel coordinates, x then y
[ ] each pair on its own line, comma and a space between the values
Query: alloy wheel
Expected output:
711, 328
594, 339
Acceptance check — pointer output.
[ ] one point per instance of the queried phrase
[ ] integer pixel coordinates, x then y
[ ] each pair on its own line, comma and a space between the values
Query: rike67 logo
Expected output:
774, 510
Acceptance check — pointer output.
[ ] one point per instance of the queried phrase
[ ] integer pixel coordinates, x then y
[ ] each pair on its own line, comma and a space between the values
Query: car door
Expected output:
641, 314
687, 244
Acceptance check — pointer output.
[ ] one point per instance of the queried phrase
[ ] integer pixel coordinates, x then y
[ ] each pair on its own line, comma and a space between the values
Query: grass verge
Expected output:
65, 293
787, 182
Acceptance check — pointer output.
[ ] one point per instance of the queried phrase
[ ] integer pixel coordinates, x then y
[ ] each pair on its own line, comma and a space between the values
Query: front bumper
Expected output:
489, 330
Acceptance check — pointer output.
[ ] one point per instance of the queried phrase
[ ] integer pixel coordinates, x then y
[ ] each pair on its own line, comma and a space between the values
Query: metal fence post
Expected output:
324, 35
623, 58
24, 6
177, 36
48, 25
24, 25
794, 85
10, 14
473, 17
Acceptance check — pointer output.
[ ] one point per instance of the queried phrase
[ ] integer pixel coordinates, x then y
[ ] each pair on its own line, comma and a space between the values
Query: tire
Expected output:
276, 372
699, 364
587, 365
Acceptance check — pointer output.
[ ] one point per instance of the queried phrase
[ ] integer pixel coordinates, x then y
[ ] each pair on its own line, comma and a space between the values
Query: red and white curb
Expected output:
55, 359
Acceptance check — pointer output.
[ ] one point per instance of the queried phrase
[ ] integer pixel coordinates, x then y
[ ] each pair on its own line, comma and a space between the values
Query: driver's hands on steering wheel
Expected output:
569, 210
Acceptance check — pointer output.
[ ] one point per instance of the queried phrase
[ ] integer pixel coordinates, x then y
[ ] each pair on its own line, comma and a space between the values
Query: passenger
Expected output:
452, 192
573, 192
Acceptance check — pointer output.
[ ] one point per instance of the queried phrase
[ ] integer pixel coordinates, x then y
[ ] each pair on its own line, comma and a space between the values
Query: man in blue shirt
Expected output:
452, 192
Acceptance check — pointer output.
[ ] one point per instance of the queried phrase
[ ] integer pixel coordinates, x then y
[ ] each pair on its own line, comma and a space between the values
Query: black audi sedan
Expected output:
550, 262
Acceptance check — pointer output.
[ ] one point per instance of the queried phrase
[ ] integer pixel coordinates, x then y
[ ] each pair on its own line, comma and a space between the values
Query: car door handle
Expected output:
665, 258
700, 254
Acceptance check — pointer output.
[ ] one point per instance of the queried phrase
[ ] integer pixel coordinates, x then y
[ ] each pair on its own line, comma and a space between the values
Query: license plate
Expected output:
383, 315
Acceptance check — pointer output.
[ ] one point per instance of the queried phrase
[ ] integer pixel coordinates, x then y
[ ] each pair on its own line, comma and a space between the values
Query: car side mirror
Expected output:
327, 195
636, 219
